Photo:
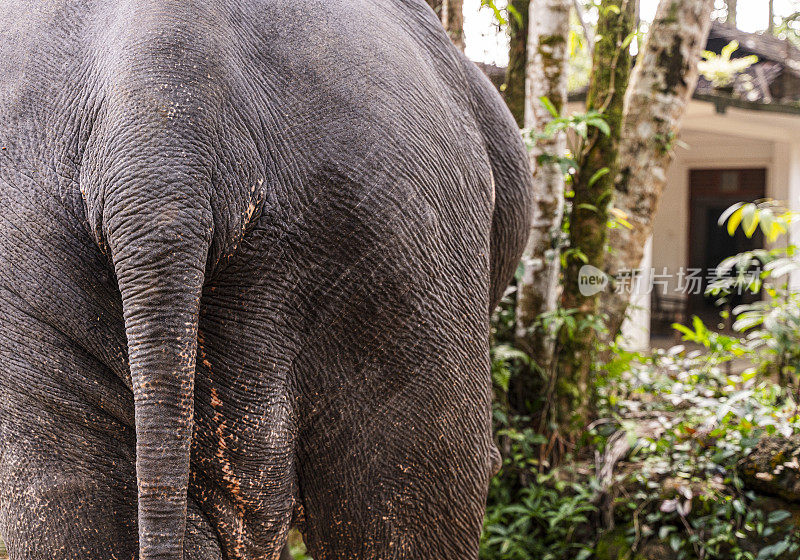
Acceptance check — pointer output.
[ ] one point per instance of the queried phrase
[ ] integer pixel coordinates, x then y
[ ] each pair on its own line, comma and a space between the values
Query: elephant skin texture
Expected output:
248, 251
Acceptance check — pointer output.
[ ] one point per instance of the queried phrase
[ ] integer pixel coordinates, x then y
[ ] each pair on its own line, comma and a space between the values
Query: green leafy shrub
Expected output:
772, 324
692, 422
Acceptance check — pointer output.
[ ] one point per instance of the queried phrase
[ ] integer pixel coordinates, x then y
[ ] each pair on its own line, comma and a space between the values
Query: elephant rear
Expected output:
254, 246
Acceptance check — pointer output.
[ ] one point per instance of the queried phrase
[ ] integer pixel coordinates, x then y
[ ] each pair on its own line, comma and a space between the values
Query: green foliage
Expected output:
770, 216
772, 324
789, 28
580, 123
541, 520
688, 421
722, 348
773, 331
530, 514
685, 491
297, 547
503, 355
501, 12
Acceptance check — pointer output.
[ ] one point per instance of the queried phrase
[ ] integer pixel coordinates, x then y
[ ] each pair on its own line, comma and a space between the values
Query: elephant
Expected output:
248, 255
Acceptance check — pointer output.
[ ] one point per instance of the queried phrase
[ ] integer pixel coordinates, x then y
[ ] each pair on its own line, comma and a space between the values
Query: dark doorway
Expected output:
712, 191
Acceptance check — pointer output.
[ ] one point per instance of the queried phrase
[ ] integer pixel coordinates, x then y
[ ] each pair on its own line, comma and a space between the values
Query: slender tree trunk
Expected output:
661, 87
517, 60
573, 390
730, 18
771, 13
548, 47
451, 14
453, 21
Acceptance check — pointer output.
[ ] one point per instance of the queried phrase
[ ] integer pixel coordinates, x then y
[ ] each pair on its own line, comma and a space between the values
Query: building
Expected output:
741, 143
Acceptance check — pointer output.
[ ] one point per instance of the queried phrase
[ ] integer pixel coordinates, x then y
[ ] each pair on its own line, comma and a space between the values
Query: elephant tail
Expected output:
159, 236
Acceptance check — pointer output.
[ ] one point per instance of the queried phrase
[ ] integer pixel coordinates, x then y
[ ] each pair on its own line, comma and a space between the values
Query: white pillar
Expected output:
636, 328
785, 186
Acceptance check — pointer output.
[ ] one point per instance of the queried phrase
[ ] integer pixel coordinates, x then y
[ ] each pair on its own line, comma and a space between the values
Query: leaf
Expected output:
707, 55
781, 267
729, 49
767, 221
600, 124
599, 175
619, 218
778, 229
575, 43
777, 516
515, 13
735, 220
668, 506
549, 106
628, 40
686, 331
745, 323
773, 551
675, 542
498, 13
728, 212
750, 219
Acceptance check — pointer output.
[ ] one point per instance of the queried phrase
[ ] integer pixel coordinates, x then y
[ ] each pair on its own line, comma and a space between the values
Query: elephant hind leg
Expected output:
394, 463
67, 474
60, 512
52, 509
77, 512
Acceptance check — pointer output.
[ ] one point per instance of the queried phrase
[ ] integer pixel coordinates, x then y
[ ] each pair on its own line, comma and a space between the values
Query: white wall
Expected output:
786, 187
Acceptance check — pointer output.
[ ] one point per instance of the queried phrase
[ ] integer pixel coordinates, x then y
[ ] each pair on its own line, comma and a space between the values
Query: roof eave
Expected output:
721, 103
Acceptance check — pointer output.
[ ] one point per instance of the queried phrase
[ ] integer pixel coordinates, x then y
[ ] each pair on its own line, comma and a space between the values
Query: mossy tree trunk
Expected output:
517, 60
661, 87
573, 387
548, 57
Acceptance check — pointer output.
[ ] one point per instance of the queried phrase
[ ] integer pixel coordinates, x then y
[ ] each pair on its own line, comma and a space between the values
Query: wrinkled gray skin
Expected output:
247, 254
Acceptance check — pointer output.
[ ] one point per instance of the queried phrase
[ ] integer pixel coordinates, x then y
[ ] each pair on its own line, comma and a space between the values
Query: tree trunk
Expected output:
451, 14
517, 60
573, 390
771, 15
548, 46
730, 18
661, 87
453, 21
